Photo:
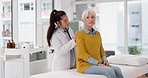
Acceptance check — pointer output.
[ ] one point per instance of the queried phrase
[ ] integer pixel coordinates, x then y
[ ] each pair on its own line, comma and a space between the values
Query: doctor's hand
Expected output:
75, 36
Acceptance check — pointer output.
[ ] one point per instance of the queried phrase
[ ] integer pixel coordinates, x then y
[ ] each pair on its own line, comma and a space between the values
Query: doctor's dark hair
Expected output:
55, 18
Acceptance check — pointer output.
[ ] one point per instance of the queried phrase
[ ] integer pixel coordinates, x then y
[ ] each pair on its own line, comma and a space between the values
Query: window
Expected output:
33, 17
26, 21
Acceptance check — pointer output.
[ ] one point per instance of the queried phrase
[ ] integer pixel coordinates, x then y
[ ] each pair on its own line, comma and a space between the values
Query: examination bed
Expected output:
130, 65
128, 72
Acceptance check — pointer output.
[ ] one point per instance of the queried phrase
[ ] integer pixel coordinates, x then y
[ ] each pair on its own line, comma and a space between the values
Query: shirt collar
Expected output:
88, 32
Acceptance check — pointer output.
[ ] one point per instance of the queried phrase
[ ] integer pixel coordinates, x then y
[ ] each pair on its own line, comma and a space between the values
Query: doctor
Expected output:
61, 37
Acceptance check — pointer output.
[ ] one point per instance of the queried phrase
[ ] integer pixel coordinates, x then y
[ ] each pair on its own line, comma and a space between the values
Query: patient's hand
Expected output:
100, 64
106, 63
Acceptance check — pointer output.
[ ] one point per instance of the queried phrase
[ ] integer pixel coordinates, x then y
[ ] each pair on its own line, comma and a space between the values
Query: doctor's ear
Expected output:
59, 23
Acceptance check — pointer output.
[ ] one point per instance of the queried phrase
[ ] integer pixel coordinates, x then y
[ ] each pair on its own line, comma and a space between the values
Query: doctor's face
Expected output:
64, 22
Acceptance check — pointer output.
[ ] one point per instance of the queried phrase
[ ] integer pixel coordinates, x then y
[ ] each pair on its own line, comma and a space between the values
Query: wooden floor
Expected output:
143, 76
146, 75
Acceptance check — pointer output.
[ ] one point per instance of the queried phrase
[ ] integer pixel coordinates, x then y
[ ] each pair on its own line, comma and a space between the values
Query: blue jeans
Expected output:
108, 71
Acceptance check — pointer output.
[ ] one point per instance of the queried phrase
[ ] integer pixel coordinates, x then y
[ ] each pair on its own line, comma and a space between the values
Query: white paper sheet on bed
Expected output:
128, 72
133, 72
66, 74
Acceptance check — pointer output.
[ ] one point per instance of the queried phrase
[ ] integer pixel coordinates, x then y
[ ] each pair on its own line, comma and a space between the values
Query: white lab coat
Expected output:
62, 47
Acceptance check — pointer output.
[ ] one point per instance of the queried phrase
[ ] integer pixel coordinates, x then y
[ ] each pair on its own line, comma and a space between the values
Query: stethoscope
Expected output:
66, 30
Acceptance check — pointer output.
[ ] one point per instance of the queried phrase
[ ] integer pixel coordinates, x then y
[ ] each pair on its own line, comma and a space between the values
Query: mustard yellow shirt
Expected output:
88, 46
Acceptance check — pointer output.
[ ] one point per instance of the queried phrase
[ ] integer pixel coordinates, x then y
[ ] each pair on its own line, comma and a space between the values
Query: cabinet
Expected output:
14, 69
21, 63
0, 68
5, 22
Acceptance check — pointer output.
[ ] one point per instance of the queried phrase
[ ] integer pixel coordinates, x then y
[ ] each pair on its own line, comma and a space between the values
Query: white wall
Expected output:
15, 20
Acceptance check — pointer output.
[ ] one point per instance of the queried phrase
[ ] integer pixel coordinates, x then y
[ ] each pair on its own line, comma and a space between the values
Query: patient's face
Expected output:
89, 21
64, 23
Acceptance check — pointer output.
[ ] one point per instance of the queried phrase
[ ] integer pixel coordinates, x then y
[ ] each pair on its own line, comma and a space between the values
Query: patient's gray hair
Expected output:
85, 13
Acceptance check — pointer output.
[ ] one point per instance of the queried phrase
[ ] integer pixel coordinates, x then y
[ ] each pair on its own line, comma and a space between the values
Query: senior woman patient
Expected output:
91, 58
